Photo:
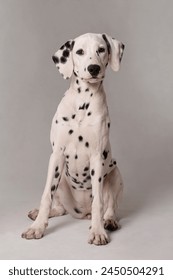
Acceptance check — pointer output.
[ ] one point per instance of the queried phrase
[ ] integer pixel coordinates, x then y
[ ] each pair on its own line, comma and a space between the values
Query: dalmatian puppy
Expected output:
83, 179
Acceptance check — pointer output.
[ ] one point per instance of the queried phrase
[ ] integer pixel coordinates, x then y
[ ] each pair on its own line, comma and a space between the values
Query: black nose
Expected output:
93, 69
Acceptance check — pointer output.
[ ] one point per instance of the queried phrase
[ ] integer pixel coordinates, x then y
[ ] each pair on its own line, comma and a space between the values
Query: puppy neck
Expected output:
81, 86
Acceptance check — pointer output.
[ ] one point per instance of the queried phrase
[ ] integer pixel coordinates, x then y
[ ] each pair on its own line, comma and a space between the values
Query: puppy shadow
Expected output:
132, 205
59, 222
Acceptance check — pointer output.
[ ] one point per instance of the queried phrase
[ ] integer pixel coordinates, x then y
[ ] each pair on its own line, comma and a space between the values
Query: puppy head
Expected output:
88, 56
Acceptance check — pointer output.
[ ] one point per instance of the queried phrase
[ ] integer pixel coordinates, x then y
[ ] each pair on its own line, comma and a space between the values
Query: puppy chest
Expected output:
77, 169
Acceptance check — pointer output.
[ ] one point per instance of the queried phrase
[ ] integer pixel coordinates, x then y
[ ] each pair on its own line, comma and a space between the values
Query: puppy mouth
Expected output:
91, 79
95, 79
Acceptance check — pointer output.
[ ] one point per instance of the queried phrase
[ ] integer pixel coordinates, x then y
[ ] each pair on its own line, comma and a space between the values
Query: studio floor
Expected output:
146, 231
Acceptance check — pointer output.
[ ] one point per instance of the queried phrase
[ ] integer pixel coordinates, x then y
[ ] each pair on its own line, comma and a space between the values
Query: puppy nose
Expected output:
93, 69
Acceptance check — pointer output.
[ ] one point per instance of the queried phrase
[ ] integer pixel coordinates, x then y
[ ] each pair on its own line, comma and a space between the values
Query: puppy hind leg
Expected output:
57, 207
56, 210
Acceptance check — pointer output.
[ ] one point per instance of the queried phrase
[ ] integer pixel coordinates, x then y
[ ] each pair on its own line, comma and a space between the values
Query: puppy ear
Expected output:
115, 51
63, 59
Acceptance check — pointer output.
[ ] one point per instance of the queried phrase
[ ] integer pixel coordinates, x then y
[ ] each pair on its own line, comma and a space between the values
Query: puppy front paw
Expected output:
98, 237
34, 232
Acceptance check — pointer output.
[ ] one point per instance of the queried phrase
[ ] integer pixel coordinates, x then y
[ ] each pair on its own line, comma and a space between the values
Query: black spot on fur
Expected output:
66, 53
79, 90
82, 107
100, 179
86, 168
65, 119
89, 188
70, 131
53, 188
87, 144
87, 89
109, 125
91, 94
110, 165
56, 121
92, 172
62, 47
56, 169
57, 175
84, 174
89, 114
103, 164
88, 177
87, 105
105, 154
73, 187
63, 59
73, 116
77, 81
53, 144
80, 138
114, 162
55, 59
76, 157
75, 73
72, 45
67, 156
75, 181
77, 174
105, 175
77, 211
107, 43
68, 45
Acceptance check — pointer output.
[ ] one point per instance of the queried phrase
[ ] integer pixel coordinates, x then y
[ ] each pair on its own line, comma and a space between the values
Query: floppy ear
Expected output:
115, 51
63, 59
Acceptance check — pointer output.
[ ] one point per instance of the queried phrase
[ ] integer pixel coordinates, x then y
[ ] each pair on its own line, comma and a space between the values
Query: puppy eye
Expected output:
80, 52
101, 50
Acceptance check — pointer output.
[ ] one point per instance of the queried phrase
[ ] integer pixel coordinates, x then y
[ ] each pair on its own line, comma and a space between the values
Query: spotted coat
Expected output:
83, 178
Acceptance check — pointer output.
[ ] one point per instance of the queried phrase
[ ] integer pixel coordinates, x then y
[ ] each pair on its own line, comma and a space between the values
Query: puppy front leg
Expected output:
97, 234
55, 169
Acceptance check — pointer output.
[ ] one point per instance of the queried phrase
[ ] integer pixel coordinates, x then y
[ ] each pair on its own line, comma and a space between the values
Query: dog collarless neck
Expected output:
81, 86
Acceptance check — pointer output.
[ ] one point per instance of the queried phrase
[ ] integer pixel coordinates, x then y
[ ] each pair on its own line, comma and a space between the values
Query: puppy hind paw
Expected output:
33, 214
111, 225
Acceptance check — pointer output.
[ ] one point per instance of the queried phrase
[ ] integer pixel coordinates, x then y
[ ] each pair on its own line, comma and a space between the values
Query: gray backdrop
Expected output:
140, 99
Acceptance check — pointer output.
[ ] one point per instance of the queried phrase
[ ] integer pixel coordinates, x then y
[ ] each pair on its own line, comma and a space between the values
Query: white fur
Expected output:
83, 178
